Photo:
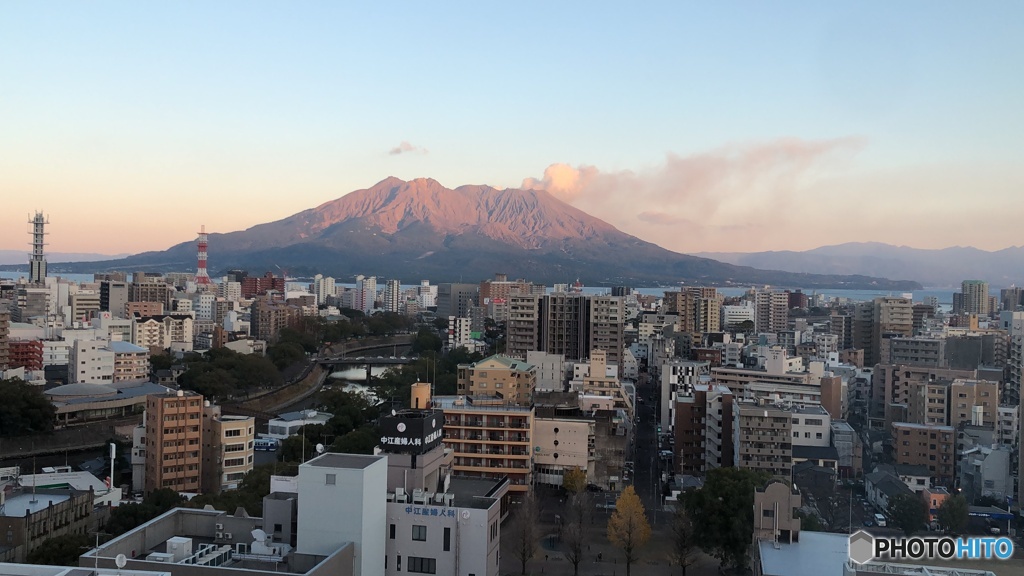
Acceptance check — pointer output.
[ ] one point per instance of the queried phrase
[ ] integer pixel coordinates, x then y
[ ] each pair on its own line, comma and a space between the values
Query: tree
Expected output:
61, 550
24, 410
684, 541
954, 514
809, 522
522, 531
574, 528
628, 528
575, 480
909, 512
723, 513
127, 516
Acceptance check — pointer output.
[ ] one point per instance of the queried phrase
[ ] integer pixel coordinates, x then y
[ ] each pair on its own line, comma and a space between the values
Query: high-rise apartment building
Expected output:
842, 328
37, 260
253, 286
974, 298
490, 438
1011, 298
151, 290
507, 378
228, 444
926, 445
703, 429
764, 438
501, 288
698, 308
5, 338
366, 293
113, 297
393, 296
173, 440
771, 311
571, 325
881, 318
267, 317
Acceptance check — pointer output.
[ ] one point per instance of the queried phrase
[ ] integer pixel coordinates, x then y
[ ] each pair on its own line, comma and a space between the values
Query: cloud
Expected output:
735, 189
404, 147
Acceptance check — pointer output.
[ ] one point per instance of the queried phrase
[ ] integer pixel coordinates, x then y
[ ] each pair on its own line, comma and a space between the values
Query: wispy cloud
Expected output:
703, 196
407, 147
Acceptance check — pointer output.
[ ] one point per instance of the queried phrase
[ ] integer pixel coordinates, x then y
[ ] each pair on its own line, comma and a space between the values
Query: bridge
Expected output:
366, 360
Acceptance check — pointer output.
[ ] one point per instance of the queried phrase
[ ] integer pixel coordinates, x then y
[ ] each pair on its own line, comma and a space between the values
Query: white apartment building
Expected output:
812, 425
90, 361
550, 370
459, 334
1008, 424
736, 315
323, 288
427, 295
230, 291
392, 296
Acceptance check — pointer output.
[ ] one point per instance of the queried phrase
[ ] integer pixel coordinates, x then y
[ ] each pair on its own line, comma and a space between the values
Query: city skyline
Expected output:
738, 127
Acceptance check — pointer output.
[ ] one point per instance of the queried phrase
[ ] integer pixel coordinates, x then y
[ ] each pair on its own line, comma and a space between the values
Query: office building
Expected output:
550, 370
678, 377
456, 299
91, 361
114, 295
173, 441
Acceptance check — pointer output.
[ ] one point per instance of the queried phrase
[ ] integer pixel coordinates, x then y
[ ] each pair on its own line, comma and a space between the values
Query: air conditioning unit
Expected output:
227, 535
220, 526
219, 535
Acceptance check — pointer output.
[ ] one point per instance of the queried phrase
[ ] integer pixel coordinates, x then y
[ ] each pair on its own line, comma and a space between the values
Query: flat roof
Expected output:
351, 461
15, 506
816, 554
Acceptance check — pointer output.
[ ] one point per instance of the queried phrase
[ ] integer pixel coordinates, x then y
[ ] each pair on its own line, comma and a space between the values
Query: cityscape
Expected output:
324, 289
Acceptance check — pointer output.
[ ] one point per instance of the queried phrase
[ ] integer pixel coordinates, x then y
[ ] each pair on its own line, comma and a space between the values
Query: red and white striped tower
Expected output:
202, 278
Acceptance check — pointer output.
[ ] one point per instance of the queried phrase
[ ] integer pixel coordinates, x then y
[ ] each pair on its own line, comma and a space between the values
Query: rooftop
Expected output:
15, 506
815, 452
913, 569
43, 570
351, 461
475, 492
923, 426
121, 347
816, 554
476, 403
303, 415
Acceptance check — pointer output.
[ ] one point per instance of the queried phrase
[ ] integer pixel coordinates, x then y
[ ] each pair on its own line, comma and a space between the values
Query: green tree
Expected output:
298, 448
61, 550
953, 514
684, 541
24, 410
284, 354
127, 516
628, 528
908, 512
723, 513
361, 441
809, 522
522, 531
574, 480
426, 340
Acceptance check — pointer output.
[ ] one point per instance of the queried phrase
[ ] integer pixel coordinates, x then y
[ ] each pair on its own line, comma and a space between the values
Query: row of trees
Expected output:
350, 430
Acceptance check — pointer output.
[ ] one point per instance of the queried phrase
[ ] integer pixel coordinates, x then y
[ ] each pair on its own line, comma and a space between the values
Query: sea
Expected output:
945, 295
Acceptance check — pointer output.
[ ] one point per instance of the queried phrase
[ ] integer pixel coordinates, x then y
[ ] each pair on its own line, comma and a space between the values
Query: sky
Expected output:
703, 127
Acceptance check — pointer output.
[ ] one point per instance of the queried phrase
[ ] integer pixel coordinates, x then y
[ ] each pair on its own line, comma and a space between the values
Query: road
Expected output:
647, 479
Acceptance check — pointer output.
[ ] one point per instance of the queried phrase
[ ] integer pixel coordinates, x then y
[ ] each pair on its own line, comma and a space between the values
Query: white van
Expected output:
880, 520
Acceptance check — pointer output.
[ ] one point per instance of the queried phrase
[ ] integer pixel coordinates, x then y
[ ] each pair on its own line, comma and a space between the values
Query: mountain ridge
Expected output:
421, 229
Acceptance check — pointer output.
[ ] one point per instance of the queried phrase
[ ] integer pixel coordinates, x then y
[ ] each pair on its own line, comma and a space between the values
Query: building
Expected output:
881, 486
489, 438
5, 337
114, 296
771, 311
775, 519
567, 324
974, 401
289, 423
550, 370
986, 471
851, 568
228, 449
973, 298
916, 351
27, 354
781, 548
501, 288
30, 516
926, 445
392, 296
763, 438
878, 318
506, 378
131, 362
253, 286
323, 288
146, 289
173, 441
91, 361
703, 429
678, 377
163, 331
459, 335
598, 378
268, 317
849, 449
456, 299
83, 306
894, 385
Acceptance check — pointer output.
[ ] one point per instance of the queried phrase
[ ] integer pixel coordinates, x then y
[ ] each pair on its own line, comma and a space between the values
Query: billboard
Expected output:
411, 431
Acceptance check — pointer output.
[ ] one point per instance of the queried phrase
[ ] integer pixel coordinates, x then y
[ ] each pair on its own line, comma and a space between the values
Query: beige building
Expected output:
489, 438
83, 306
173, 441
507, 378
970, 397
930, 446
131, 362
31, 516
764, 438
562, 443
775, 518
882, 317
597, 382
893, 385
771, 311
268, 317
227, 449
162, 331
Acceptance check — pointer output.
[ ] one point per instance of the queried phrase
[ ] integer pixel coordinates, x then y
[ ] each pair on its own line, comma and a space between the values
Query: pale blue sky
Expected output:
242, 112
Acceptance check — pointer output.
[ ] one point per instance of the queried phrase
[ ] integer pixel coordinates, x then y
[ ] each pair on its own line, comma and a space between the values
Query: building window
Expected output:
332, 479
447, 539
232, 433
392, 532
419, 534
422, 565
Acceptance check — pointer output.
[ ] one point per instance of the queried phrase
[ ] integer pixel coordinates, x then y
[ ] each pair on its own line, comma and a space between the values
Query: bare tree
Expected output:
684, 541
574, 529
522, 531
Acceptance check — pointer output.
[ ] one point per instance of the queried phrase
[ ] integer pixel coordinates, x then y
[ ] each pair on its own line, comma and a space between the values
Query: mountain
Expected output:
420, 229
934, 268
21, 257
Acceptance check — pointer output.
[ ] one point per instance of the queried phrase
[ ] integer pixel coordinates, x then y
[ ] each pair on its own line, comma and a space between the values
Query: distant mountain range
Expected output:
15, 257
420, 229
933, 268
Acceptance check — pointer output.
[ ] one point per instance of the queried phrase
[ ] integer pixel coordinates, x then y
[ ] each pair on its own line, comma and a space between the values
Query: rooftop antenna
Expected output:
320, 448
121, 560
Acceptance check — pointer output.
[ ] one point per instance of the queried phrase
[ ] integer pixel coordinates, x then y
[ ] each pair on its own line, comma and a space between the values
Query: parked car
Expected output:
869, 523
